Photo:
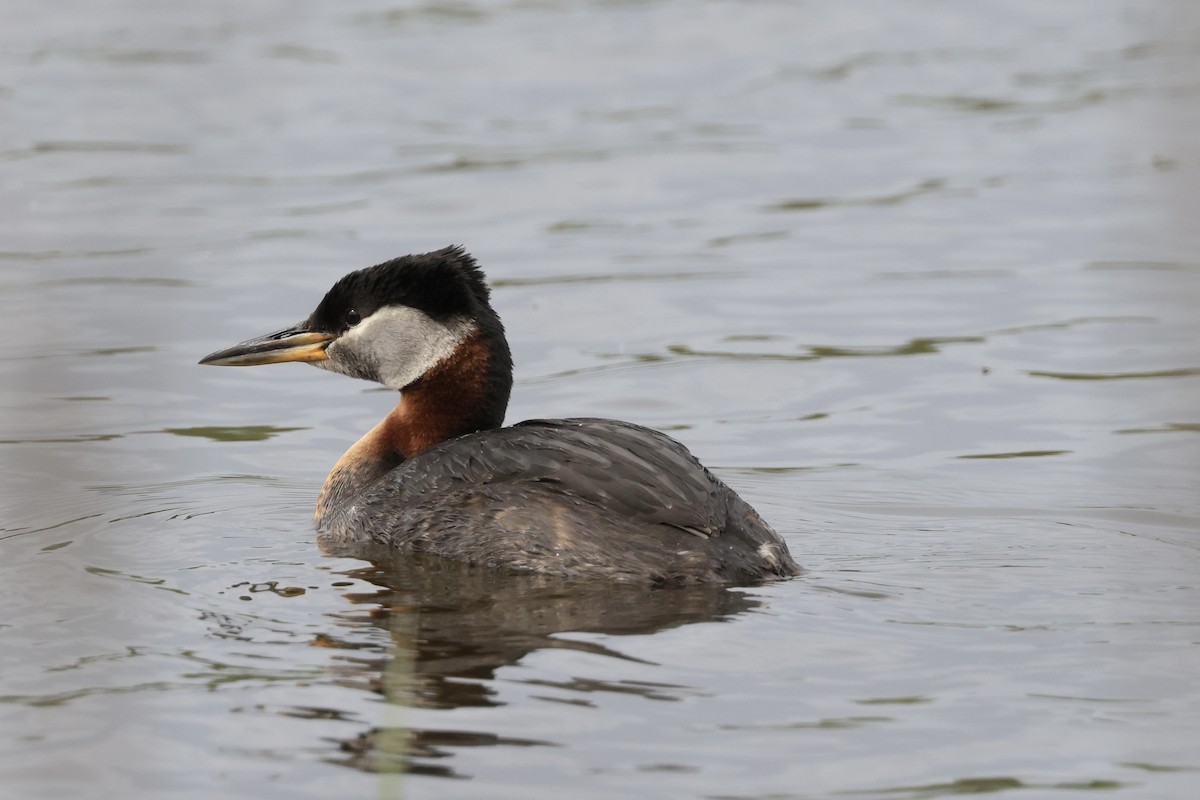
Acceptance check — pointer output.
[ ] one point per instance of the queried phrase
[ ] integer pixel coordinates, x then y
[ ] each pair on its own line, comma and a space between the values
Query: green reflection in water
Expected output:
158, 583
888, 701
762, 236
272, 587
83, 437
918, 346
116, 351
52, 255
1157, 767
913, 347
232, 433
942, 274
1169, 427
1071, 323
1019, 454
894, 198
200, 671
769, 470
1182, 372
829, 723
992, 105
988, 785
85, 146
841, 723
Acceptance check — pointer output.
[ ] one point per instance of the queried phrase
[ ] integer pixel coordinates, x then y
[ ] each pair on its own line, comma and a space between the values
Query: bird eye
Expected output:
353, 318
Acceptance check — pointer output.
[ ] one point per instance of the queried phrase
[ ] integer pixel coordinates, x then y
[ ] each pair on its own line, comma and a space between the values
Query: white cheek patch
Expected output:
398, 344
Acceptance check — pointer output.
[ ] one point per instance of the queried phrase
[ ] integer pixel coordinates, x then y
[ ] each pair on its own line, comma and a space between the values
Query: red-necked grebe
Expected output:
577, 498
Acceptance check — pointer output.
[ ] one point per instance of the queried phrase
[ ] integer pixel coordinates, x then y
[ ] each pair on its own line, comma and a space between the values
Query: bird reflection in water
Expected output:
451, 627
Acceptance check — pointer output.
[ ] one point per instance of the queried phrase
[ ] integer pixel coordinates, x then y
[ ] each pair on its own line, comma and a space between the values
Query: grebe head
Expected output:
394, 323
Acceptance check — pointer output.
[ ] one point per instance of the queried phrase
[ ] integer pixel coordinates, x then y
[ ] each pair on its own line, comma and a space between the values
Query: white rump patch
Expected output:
768, 553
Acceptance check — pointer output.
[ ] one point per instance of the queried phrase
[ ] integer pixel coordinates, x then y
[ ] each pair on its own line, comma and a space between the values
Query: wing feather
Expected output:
634, 472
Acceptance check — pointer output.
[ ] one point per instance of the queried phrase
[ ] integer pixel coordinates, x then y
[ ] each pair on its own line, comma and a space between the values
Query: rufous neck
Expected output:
467, 392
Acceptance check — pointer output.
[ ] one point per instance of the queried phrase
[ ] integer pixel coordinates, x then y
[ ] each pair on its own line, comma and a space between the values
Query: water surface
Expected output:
920, 281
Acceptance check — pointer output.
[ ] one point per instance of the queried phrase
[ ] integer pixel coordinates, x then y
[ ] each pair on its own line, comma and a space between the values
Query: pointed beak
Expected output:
296, 343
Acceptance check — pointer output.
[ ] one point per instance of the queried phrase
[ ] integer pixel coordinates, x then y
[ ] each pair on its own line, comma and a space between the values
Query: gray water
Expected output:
919, 279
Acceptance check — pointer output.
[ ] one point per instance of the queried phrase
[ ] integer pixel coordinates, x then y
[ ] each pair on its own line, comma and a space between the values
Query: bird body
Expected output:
577, 498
